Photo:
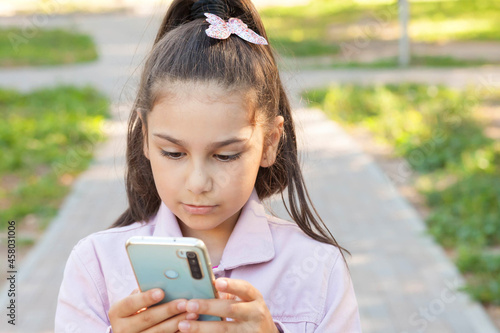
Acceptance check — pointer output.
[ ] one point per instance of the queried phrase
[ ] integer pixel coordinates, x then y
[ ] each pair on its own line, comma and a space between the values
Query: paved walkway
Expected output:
403, 280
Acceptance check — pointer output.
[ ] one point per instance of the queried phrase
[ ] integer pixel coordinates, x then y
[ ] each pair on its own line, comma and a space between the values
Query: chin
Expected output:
198, 222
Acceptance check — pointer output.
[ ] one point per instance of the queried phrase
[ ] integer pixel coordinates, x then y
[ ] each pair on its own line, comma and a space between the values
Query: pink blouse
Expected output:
305, 283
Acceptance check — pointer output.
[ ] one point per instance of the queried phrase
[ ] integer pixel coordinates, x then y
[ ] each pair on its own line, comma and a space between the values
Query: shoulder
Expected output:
304, 256
287, 235
280, 227
309, 273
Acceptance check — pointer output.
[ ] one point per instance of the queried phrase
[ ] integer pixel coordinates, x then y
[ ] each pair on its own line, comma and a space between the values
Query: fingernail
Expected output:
191, 316
184, 325
192, 306
221, 284
181, 306
157, 295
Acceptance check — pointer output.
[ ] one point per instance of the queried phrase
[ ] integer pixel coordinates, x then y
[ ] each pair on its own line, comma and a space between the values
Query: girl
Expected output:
211, 135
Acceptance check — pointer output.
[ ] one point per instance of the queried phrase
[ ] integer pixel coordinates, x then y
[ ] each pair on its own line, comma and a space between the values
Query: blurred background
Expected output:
415, 84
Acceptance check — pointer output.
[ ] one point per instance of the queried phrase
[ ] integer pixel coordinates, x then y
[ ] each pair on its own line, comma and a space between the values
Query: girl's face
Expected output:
204, 152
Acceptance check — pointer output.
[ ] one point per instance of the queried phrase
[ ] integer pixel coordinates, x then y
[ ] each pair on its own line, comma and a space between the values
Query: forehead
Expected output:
201, 112
209, 90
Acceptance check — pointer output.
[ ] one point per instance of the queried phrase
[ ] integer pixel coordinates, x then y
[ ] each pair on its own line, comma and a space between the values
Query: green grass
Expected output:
44, 47
301, 30
424, 61
434, 128
46, 138
456, 20
321, 26
417, 61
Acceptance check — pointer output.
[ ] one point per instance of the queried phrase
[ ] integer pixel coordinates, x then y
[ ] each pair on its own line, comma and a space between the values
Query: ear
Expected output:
144, 136
271, 148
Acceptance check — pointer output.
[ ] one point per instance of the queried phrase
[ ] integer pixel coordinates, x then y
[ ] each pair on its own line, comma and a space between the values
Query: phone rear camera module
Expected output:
194, 265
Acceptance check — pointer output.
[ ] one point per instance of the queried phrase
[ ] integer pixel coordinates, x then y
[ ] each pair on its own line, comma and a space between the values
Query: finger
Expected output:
223, 295
135, 291
208, 326
170, 325
157, 314
135, 302
240, 288
192, 316
220, 308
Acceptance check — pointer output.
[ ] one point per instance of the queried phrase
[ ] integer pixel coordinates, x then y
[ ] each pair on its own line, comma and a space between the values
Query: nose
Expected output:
199, 179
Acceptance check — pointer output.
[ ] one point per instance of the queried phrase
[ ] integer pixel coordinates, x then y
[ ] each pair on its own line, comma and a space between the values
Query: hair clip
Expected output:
220, 29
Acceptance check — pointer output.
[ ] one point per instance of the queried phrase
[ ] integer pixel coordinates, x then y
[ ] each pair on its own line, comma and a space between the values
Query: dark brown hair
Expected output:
183, 53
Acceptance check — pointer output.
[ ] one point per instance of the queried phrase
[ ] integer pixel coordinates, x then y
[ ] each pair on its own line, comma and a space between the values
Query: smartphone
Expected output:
178, 265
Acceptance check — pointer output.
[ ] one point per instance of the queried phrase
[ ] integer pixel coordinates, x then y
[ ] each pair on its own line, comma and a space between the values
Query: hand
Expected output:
135, 314
239, 300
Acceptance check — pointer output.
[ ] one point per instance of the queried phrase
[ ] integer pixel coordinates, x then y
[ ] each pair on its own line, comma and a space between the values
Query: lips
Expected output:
196, 209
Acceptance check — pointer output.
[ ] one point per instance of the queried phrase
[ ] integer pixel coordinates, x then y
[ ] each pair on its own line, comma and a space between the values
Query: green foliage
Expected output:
46, 137
467, 211
44, 47
429, 125
484, 271
434, 129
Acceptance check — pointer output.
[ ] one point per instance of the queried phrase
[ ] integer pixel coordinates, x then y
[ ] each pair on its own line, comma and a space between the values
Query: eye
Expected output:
228, 158
173, 156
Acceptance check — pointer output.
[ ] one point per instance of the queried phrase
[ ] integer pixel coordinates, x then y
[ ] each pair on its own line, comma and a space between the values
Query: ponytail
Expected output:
183, 11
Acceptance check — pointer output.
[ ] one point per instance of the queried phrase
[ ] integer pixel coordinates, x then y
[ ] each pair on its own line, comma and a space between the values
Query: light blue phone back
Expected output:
151, 262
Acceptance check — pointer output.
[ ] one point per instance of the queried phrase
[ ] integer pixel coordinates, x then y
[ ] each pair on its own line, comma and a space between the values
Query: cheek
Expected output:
244, 172
232, 174
164, 176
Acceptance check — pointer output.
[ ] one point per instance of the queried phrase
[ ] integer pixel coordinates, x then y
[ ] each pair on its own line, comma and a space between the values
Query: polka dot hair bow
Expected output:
220, 29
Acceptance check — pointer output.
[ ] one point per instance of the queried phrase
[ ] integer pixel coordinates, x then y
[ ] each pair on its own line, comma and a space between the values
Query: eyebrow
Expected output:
213, 145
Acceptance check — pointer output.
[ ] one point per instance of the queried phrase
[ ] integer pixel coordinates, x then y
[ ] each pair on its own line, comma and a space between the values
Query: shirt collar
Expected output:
250, 242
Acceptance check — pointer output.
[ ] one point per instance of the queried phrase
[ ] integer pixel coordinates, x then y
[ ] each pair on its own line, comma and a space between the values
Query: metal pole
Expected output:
404, 40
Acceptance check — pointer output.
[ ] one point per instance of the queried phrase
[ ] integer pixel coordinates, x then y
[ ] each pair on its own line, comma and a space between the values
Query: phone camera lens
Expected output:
191, 255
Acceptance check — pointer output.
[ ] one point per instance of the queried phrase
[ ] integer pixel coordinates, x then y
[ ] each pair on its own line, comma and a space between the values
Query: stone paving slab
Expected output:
402, 278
